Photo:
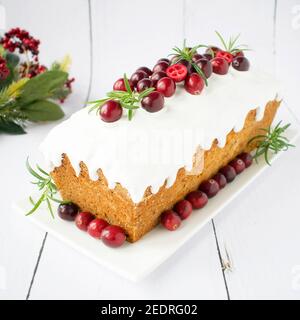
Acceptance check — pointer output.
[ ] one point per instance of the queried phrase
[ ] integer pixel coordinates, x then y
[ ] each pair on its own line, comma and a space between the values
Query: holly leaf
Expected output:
42, 87
12, 59
43, 110
10, 127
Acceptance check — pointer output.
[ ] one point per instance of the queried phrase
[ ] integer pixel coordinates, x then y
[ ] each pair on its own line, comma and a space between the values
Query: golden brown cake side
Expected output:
116, 206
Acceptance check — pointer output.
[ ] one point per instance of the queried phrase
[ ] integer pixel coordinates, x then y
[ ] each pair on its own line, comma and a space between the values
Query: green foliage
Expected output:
43, 110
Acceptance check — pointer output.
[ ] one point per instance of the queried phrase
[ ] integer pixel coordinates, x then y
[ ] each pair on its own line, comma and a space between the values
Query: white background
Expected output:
105, 39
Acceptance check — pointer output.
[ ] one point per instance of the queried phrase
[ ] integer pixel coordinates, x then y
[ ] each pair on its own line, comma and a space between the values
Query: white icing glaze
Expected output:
153, 146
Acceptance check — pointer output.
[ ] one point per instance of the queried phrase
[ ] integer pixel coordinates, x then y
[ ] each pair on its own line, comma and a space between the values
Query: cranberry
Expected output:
96, 227
238, 54
161, 66
238, 165
166, 86
197, 199
226, 55
205, 66
220, 179
194, 84
247, 158
207, 56
220, 65
111, 111
177, 72
210, 187
153, 102
183, 208
144, 84
83, 219
213, 49
188, 65
145, 69
241, 63
157, 75
120, 85
113, 236
197, 56
229, 173
164, 60
137, 76
68, 211
170, 220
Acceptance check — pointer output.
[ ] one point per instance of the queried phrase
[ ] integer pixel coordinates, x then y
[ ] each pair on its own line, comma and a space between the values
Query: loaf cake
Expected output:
130, 188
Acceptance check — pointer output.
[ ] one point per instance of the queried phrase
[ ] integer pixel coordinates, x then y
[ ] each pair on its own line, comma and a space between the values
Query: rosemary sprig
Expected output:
272, 140
46, 186
231, 46
187, 54
129, 99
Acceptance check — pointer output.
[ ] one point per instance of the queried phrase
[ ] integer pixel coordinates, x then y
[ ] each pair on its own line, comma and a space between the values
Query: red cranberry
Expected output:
164, 60
197, 56
213, 49
247, 158
207, 56
194, 84
137, 76
187, 64
177, 72
170, 220
238, 165
145, 69
220, 66
166, 86
220, 179
205, 66
111, 111
161, 66
113, 236
226, 55
238, 54
157, 75
241, 63
144, 84
68, 211
96, 227
120, 85
83, 219
210, 187
184, 209
197, 199
229, 173
153, 102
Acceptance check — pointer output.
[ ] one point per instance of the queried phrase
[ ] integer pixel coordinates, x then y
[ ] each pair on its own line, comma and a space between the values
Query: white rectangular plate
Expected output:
135, 261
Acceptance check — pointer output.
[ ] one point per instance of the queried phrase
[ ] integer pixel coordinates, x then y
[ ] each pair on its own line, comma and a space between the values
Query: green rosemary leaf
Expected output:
50, 207
130, 115
144, 93
32, 172
200, 72
222, 40
127, 85
36, 206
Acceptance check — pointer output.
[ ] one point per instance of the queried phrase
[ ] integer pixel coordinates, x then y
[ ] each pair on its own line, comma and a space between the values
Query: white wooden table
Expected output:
259, 230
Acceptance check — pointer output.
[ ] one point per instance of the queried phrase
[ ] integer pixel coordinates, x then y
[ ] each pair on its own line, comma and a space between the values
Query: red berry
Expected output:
170, 220
212, 49
205, 66
197, 199
229, 173
157, 75
194, 84
119, 85
220, 179
83, 219
145, 69
164, 60
137, 76
144, 84
96, 227
220, 65
247, 158
68, 211
238, 165
111, 111
153, 102
113, 236
238, 54
184, 209
161, 66
226, 55
166, 86
209, 187
197, 56
188, 65
207, 56
177, 72
241, 63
